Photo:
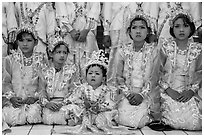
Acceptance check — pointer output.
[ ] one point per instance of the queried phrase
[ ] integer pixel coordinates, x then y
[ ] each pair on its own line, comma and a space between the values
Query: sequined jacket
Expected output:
95, 101
57, 84
181, 69
136, 70
20, 80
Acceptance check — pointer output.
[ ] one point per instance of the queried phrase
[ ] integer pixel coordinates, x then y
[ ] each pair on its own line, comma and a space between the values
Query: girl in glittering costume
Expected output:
135, 63
43, 17
56, 83
78, 22
96, 100
181, 74
20, 79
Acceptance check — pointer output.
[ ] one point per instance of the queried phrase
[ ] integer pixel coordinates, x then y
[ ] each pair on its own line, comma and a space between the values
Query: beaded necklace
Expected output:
172, 51
67, 72
90, 104
129, 53
34, 61
28, 61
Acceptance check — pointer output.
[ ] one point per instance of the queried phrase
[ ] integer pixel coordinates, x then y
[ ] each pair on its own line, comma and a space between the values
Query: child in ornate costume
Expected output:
78, 21
135, 63
162, 10
116, 15
21, 80
44, 18
96, 100
181, 75
56, 84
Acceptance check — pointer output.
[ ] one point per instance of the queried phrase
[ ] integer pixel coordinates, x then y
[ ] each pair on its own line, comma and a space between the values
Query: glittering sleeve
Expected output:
73, 79
108, 103
76, 96
72, 87
154, 76
119, 67
115, 69
162, 52
151, 83
7, 88
162, 58
43, 95
197, 76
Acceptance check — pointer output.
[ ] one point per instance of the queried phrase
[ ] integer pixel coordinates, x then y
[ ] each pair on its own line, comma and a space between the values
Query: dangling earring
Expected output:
104, 81
35, 48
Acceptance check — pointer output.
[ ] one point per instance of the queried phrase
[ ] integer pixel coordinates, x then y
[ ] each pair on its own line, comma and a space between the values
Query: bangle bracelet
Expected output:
125, 90
9, 94
44, 101
163, 85
141, 95
194, 88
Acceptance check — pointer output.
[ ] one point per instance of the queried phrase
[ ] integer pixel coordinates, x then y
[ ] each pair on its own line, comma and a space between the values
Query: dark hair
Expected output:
19, 36
186, 20
148, 28
57, 46
104, 71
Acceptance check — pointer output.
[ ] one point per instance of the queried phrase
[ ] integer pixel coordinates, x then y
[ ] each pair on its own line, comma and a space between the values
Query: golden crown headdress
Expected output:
141, 14
27, 24
98, 57
56, 39
177, 11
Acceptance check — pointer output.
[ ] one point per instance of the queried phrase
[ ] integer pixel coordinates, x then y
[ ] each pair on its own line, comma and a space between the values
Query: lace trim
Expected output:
66, 76
9, 94
128, 53
171, 50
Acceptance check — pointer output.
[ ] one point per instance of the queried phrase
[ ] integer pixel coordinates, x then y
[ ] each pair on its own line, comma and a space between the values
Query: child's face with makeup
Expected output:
95, 76
181, 30
60, 54
138, 30
26, 43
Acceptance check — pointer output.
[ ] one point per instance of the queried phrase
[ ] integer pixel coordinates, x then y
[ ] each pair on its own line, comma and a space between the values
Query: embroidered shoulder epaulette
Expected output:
195, 49
126, 48
71, 68
168, 45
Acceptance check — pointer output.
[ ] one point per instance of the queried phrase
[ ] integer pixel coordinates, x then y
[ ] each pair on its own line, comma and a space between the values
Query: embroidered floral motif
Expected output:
171, 50
37, 58
129, 53
93, 103
9, 94
50, 77
18, 57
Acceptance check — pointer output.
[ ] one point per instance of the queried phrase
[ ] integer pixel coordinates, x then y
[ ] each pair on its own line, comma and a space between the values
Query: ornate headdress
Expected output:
98, 57
27, 24
177, 11
140, 14
55, 40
